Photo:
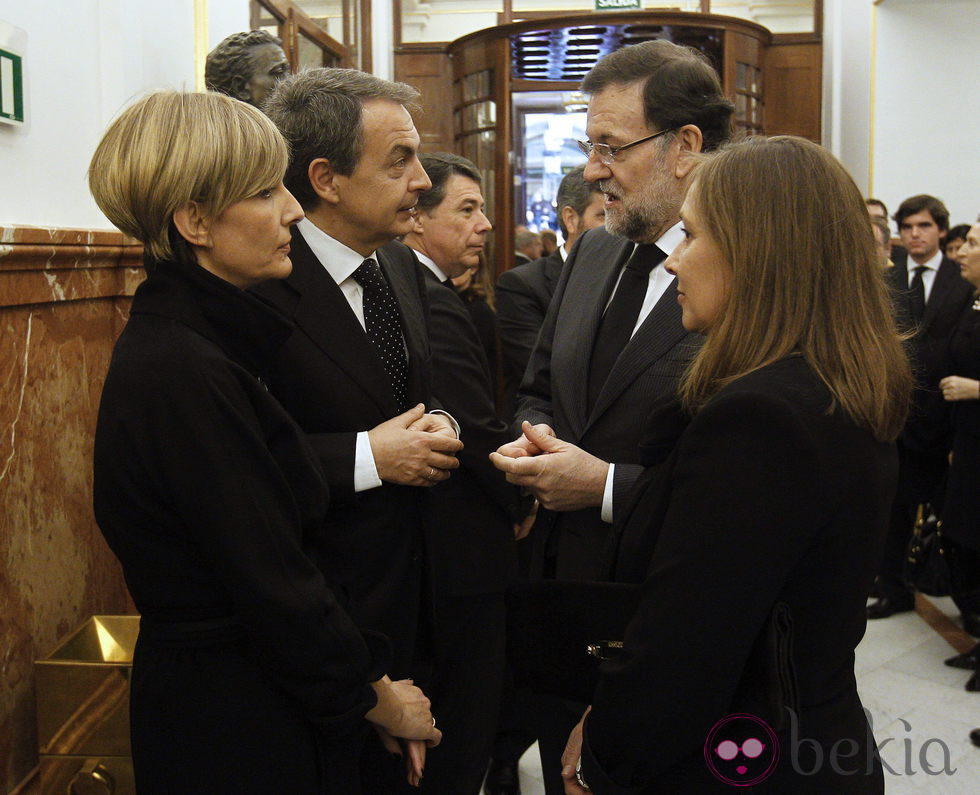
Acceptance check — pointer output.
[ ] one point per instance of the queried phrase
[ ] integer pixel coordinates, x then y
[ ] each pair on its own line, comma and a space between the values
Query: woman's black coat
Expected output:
767, 499
248, 674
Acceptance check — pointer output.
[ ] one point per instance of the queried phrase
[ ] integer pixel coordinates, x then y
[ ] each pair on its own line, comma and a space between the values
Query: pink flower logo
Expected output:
741, 750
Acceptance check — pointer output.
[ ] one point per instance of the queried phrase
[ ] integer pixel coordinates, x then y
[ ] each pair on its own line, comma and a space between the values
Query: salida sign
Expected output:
616, 5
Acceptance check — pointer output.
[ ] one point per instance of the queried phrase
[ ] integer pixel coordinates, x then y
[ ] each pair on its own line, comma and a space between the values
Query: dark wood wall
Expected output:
430, 71
793, 75
794, 85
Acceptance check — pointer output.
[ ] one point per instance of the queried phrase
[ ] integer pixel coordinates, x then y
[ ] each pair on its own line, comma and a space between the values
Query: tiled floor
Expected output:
918, 706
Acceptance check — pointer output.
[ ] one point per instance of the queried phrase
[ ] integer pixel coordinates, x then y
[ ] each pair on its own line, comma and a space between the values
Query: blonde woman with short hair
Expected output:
248, 675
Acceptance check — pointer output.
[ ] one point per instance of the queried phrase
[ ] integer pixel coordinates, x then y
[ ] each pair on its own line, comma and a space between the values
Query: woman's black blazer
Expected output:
770, 498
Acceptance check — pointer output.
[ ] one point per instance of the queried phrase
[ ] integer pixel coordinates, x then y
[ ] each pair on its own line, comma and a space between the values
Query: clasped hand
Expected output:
956, 387
415, 448
562, 476
403, 712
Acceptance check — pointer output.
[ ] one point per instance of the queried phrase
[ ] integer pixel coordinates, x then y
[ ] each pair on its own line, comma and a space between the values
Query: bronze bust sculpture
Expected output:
246, 66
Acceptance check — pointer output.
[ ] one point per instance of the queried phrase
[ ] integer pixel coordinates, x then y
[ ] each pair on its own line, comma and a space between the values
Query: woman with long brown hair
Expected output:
757, 540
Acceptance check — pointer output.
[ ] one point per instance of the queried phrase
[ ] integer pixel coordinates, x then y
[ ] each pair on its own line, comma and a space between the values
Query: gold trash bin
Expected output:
82, 692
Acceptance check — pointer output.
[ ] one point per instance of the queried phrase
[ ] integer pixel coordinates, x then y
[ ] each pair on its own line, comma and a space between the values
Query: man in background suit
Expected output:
470, 519
549, 242
356, 371
883, 241
527, 246
612, 344
878, 211
523, 294
930, 296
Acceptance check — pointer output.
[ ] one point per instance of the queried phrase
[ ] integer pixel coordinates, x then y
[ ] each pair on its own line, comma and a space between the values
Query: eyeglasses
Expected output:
728, 750
607, 154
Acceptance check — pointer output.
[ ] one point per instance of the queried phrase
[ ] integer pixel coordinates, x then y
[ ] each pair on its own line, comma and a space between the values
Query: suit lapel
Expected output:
897, 278
943, 287
589, 289
660, 332
323, 314
552, 271
898, 274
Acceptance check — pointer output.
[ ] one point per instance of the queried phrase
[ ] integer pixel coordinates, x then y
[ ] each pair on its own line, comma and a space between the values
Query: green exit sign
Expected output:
616, 5
11, 87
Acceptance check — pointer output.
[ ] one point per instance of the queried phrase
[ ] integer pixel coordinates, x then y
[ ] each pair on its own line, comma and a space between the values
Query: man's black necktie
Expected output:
619, 321
383, 328
917, 291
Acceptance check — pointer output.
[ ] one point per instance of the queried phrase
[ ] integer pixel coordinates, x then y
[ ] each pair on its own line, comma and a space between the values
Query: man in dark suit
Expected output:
549, 242
527, 246
356, 370
470, 519
878, 211
523, 294
612, 343
930, 295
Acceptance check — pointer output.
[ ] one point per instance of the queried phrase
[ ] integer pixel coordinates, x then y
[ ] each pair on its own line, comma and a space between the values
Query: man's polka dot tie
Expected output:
383, 327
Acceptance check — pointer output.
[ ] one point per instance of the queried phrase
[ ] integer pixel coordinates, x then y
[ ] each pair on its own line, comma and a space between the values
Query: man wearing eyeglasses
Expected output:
612, 345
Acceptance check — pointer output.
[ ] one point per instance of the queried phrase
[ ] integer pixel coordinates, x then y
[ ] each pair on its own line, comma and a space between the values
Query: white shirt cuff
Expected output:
365, 470
606, 513
448, 416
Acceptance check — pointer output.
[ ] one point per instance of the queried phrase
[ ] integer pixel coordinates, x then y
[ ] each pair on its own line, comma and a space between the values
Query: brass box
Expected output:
83, 709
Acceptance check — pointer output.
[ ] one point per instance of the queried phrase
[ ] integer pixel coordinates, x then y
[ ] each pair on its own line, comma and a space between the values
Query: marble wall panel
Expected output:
63, 301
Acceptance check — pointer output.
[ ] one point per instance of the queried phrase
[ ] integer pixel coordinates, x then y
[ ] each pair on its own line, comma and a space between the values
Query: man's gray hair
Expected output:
319, 112
525, 238
680, 86
576, 193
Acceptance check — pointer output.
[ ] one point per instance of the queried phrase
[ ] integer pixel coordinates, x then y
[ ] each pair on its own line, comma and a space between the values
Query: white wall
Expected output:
382, 39
224, 18
926, 117
85, 60
847, 40
898, 111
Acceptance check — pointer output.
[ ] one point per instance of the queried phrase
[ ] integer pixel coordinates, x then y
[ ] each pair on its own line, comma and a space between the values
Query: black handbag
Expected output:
560, 631
930, 558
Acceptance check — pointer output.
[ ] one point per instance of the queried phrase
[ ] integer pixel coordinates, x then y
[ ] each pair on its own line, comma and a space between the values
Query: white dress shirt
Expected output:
430, 264
928, 275
660, 280
341, 262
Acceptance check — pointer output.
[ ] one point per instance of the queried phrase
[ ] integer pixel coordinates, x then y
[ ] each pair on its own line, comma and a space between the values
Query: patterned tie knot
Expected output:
369, 276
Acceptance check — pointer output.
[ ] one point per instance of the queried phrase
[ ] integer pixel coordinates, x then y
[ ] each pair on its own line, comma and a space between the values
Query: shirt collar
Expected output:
427, 261
338, 260
932, 263
564, 254
671, 239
